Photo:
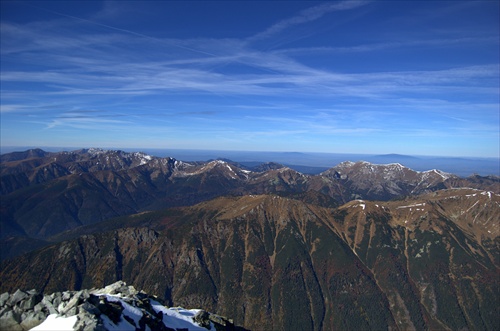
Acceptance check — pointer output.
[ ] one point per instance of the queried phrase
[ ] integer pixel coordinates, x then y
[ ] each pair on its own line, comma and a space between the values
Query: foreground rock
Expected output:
114, 307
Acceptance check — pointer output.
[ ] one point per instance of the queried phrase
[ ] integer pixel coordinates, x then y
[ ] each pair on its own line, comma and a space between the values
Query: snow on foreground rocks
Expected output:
114, 307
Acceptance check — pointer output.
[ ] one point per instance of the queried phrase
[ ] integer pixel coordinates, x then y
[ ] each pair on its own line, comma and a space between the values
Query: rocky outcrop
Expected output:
114, 307
274, 263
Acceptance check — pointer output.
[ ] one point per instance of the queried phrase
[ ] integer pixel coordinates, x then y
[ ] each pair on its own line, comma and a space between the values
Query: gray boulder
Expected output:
30, 302
46, 301
72, 303
32, 319
3, 298
17, 297
10, 321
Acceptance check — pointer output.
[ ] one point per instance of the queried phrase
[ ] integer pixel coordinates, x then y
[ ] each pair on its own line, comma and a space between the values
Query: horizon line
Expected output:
23, 148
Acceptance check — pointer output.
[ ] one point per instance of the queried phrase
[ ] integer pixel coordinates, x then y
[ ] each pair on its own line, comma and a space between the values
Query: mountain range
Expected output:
359, 246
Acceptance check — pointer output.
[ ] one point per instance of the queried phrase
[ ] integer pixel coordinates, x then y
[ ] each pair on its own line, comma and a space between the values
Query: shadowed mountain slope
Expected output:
277, 263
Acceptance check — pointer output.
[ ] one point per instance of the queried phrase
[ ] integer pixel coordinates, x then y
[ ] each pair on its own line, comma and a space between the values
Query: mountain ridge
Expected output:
365, 264
46, 193
359, 246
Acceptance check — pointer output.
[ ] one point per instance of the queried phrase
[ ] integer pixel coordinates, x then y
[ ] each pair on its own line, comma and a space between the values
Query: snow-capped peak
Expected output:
95, 151
444, 175
145, 158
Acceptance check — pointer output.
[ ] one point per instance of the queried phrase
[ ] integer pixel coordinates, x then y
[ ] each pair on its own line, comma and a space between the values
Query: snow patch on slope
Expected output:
55, 322
179, 318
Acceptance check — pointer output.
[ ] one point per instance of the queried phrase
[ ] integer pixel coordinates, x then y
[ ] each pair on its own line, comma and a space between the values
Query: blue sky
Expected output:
408, 77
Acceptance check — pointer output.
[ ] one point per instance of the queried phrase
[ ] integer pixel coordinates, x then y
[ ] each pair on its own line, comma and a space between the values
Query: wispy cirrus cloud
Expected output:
116, 70
11, 108
307, 15
279, 75
86, 123
58, 69
373, 47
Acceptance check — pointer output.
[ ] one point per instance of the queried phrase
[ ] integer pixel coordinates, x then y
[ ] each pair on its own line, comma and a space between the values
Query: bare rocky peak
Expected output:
383, 171
220, 168
383, 181
113, 159
113, 307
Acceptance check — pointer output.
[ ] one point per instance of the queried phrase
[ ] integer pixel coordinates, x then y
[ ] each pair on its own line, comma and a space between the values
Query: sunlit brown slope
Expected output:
277, 263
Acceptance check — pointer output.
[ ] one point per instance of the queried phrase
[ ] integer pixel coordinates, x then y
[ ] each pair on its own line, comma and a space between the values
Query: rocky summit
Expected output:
114, 307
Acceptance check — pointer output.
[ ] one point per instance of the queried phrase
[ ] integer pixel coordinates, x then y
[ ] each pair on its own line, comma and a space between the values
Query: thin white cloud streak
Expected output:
51, 37
293, 79
388, 45
299, 128
130, 32
114, 10
360, 122
11, 108
307, 15
87, 123
269, 133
